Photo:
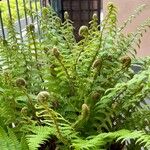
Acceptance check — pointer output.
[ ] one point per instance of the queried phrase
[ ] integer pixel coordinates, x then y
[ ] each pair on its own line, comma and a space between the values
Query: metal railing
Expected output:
24, 14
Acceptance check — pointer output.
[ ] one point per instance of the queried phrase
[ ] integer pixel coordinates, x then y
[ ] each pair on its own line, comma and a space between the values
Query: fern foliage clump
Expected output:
59, 93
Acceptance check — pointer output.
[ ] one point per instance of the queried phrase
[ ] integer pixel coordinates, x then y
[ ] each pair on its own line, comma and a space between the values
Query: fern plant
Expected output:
59, 93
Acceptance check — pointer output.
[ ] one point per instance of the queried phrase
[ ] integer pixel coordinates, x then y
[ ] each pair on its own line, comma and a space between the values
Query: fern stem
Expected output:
96, 75
67, 42
56, 124
129, 20
31, 105
36, 53
82, 50
29, 99
68, 76
101, 36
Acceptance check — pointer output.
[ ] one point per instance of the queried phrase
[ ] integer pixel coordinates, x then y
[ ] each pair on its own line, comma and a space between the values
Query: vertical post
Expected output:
9, 10
59, 8
25, 12
19, 22
49, 1
41, 5
62, 10
71, 9
80, 13
99, 10
2, 25
30, 5
89, 11
38, 22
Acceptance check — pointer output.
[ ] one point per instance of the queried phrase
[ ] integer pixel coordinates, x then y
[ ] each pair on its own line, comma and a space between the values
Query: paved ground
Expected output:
23, 26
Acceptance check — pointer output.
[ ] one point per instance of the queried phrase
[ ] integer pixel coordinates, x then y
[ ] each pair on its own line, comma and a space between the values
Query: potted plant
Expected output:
57, 93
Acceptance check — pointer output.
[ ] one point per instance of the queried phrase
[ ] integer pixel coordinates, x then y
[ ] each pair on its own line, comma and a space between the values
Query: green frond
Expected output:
115, 100
40, 134
133, 16
24, 144
8, 141
67, 30
63, 129
98, 142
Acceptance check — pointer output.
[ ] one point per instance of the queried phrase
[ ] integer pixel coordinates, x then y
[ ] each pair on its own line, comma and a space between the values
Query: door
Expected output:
81, 11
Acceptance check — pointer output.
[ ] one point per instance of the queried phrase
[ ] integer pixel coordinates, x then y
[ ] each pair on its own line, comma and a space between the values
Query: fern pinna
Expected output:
59, 93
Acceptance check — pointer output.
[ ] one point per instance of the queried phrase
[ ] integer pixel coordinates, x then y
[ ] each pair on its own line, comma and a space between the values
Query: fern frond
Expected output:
98, 142
108, 107
67, 30
63, 130
24, 144
40, 134
134, 39
8, 141
133, 16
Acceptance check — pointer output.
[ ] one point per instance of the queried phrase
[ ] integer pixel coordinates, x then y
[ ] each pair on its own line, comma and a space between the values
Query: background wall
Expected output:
125, 8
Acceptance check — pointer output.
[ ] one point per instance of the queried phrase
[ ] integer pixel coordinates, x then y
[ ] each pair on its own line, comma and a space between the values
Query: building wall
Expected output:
125, 8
